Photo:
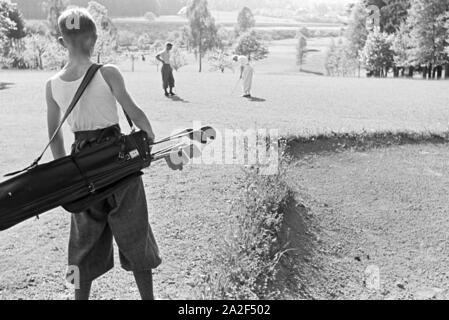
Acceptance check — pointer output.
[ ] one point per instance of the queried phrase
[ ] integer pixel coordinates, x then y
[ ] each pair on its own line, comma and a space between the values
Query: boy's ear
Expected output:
62, 42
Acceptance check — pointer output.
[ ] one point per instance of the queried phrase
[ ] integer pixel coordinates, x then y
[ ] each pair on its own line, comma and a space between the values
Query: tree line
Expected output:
33, 45
399, 37
34, 9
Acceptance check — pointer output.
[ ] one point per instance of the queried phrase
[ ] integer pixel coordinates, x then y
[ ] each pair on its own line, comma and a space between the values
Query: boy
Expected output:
246, 75
168, 81
124, 215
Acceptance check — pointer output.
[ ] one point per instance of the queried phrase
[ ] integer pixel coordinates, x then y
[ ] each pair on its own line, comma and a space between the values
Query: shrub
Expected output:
220, 60
150, 16
178, 59
246, 265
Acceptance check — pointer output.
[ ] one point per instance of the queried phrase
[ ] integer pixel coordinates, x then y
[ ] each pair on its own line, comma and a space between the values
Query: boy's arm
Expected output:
53, 119
242, 68
115, 80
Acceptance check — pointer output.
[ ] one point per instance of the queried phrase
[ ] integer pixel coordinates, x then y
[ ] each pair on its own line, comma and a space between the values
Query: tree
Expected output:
245, 20
429, 29
16, 17
357, 32
249, 45
36, 46
106, 31
339, 60
393, 14
331, 63
301, 51
6, 26
203, 32
378, 55
53, 9
402, 46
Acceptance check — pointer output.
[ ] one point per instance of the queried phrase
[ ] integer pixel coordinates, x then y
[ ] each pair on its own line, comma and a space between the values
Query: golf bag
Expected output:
76, 181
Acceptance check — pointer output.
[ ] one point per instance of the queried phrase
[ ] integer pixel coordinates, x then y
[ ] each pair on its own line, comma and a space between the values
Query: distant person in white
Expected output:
168, 81
246, 74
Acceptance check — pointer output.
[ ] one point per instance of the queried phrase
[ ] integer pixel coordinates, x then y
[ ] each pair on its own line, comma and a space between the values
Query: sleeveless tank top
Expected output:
97, 108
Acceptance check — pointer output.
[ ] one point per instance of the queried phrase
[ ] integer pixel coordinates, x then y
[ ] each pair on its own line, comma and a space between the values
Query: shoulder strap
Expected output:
90, 74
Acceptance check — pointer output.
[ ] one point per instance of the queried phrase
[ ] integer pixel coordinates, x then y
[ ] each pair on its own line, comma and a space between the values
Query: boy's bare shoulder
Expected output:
110, 69
51, 79
111, 72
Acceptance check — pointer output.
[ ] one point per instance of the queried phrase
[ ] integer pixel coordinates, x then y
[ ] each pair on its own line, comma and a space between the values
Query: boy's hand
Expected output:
152, 137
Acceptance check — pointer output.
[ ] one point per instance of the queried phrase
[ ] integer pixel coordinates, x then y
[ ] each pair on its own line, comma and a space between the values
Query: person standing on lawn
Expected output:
124, 215
168, 80
246, 74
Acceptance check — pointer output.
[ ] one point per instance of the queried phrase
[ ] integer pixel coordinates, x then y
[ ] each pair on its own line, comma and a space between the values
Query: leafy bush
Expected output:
178, 59
150, 16
247, 263
220, 60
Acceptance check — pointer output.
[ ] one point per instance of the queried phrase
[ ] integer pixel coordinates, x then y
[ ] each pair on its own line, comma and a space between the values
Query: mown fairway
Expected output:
293, 103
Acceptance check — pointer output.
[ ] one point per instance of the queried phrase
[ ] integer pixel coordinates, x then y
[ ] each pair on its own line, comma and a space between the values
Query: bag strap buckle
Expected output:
92, 188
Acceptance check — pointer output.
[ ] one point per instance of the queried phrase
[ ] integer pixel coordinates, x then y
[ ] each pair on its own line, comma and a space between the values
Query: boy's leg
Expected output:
139, 252
90, 246
83, 293
144, 281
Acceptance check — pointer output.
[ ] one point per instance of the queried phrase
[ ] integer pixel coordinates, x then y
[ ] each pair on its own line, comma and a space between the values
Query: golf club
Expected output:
235, 87
203, 135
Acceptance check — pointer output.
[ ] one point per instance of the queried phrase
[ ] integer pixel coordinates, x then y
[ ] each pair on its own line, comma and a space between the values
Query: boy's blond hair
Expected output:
77, 26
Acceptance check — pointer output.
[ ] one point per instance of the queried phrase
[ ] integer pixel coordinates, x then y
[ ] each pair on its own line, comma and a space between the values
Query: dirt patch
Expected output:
384, 208
299, 147
298, 240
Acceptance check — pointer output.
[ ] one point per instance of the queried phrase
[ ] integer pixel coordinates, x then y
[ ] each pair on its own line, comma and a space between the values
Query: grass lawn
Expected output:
293, 103
32, 256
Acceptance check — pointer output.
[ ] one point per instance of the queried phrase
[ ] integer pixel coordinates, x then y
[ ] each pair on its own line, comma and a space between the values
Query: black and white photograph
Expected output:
254, 151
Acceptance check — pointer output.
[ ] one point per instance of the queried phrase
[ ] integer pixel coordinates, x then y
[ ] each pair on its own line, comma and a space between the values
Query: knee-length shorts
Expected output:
123, 217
